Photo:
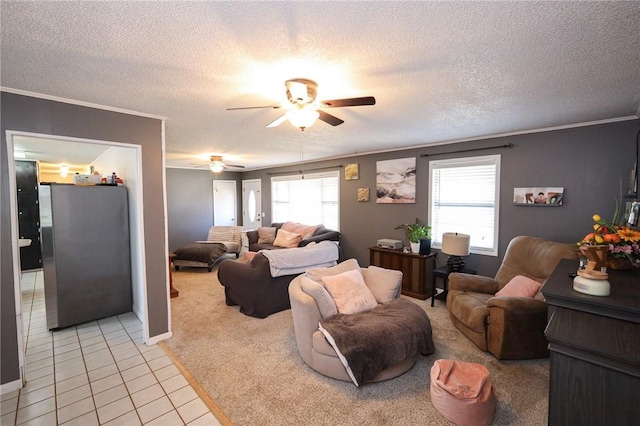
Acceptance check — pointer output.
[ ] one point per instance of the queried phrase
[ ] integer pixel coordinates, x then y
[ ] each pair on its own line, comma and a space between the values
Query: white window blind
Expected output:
464, 198
310, 199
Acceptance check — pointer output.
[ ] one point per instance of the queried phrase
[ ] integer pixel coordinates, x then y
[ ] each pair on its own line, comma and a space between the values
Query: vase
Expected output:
425, 246
619, 264
596, 255
415, 247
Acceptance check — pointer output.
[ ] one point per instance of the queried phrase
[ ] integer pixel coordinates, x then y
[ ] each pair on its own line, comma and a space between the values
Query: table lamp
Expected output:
456, 246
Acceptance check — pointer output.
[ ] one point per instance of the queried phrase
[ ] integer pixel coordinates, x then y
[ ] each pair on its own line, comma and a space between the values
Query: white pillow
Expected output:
385, 284
316, 274
349, 292
287, 239
325, 303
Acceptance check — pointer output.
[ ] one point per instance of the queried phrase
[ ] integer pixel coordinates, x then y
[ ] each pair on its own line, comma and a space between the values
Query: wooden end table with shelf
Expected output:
417, 276
443, 272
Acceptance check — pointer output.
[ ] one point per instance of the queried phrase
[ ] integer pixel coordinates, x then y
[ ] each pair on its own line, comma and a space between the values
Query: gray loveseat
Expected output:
321, 234
260, 290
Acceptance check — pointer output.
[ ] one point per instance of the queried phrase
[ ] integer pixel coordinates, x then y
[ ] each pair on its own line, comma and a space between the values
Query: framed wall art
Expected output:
363, 194
351, 172
538, 196
396, 181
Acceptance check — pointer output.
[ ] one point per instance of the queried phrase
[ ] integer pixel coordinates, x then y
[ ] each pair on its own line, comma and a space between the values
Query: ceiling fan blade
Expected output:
335, 103
278, 121
235, 166
330, 119
255, 107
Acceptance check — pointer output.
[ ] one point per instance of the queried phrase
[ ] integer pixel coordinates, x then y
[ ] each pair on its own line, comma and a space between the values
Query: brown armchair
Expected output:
508, 327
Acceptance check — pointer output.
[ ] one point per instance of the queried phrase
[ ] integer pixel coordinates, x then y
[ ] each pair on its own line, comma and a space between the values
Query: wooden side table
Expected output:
416, 269
443, 272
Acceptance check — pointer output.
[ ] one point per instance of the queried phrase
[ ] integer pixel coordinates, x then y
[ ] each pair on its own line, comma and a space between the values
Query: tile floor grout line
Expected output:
36, 306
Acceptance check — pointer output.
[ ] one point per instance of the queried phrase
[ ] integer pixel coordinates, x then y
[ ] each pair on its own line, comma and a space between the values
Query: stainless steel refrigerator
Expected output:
85, 252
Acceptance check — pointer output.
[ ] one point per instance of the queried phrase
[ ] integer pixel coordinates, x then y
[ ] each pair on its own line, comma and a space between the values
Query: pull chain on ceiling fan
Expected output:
304, 110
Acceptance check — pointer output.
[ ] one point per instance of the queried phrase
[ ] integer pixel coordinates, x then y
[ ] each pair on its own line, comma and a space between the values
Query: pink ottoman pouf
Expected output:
462, 392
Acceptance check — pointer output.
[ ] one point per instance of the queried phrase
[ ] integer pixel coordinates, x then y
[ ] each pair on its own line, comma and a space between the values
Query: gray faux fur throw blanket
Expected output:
370, 341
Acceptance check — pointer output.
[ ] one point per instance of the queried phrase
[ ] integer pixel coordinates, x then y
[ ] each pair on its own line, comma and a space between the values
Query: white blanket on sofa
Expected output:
297, 260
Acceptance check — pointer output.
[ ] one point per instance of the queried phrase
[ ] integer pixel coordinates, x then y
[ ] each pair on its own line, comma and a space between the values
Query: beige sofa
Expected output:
312, 344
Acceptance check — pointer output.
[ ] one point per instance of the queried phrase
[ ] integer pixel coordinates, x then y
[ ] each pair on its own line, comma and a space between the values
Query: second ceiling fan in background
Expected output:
304, 109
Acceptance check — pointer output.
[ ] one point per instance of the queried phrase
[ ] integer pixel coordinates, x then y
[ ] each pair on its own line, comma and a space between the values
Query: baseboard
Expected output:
160, 337
204, 396
10, 387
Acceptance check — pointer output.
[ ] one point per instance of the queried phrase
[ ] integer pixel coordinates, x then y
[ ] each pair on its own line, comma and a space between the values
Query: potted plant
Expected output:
419, 237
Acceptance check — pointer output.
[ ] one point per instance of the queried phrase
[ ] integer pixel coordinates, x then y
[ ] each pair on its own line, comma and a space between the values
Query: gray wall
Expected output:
23, 113
190, 203
589, 162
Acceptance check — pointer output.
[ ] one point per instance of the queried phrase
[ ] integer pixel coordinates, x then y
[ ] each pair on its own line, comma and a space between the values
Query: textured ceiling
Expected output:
440, 71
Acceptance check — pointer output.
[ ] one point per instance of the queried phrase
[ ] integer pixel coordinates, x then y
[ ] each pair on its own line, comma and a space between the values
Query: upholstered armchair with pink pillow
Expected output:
506, 315
322, 294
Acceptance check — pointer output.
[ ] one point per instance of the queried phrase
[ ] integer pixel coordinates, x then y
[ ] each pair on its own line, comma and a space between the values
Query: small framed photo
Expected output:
363, 195
538, 196
351, 172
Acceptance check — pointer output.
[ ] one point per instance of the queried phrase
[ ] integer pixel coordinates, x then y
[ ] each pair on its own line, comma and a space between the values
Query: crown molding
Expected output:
80, 103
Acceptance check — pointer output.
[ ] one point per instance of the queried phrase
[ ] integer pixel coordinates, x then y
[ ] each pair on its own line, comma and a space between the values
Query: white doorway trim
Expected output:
136, 211
258, 215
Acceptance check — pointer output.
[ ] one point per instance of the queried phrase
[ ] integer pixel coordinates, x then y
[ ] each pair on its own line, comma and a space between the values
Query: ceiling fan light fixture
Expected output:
302, 117
301, 91
216, 166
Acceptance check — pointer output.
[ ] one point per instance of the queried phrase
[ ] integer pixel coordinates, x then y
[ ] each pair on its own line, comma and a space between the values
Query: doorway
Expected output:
28, 214
224, 203
252, 203
128, 158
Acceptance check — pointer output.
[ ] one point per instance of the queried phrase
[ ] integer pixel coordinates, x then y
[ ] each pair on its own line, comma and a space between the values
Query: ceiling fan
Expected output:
217, 164
304, 109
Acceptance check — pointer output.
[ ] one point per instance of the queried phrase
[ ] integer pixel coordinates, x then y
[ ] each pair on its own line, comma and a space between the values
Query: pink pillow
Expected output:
349, 292
306, 231
287, 239
249, 255
520, 286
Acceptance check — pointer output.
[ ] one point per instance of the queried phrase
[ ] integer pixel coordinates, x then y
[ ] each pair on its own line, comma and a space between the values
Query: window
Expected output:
464, 198
310, 199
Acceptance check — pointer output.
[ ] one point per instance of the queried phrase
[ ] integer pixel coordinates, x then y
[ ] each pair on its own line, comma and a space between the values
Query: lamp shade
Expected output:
455, 244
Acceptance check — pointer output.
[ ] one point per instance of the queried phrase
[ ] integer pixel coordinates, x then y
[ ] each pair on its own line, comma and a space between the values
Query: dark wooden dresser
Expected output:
417, 269
595, 350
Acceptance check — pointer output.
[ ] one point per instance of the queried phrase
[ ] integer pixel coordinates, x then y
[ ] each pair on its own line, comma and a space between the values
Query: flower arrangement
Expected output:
623, 241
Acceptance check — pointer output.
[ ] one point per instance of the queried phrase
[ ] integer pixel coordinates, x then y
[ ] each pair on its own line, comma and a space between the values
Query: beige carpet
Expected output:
251, 369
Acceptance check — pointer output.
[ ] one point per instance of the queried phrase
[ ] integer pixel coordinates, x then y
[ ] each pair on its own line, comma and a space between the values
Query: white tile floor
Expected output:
97, 373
